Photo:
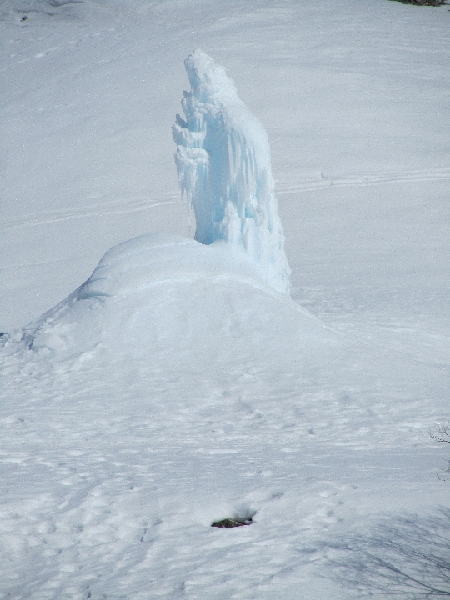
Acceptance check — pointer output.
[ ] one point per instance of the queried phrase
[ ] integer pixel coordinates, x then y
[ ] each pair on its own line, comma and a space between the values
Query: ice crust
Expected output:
224, 169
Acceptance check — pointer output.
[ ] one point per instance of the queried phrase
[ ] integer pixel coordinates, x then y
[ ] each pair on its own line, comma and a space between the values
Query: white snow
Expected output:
176, 387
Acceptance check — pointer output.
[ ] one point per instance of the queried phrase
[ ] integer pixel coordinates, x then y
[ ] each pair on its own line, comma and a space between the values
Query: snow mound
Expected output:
156, 259
170, 299
224, 168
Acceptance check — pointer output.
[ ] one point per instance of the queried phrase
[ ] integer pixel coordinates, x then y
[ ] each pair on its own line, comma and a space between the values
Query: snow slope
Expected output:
175, 388
352, 94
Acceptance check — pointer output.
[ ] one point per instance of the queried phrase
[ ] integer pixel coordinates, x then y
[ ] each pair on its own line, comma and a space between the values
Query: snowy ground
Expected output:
129, 426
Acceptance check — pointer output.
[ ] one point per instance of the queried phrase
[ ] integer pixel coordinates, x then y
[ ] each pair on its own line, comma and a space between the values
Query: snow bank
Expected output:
224, 168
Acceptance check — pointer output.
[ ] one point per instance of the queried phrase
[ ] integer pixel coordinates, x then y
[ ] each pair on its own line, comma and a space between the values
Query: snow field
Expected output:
175, 388
134, 449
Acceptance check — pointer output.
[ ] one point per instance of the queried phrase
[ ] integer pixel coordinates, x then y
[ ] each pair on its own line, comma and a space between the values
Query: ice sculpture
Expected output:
224, 169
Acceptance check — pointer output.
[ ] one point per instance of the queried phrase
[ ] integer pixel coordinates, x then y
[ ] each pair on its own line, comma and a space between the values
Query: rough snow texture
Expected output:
224, 168
176, 389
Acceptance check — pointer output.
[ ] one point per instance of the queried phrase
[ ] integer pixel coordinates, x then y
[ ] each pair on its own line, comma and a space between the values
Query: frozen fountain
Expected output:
224, 170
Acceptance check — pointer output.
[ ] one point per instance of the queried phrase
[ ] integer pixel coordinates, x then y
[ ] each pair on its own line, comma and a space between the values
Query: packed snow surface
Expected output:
175, 387
224, 167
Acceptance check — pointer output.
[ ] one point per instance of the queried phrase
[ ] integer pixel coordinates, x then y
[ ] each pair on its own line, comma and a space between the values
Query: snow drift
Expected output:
224, 168
169, 299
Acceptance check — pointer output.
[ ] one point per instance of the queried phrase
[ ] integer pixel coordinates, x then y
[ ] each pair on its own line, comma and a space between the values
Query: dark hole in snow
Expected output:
423, 2
229, 523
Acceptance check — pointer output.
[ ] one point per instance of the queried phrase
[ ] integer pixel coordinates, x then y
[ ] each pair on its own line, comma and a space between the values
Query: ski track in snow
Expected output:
119, 207
309, 185
138, 204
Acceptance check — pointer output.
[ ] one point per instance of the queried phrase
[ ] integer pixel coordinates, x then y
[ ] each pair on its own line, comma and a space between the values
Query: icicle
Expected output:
224, 169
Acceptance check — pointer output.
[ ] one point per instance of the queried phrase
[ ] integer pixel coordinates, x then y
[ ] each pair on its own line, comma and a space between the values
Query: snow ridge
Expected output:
224, 169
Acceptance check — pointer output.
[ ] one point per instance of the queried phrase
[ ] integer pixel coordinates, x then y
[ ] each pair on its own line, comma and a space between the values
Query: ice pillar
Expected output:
224, 169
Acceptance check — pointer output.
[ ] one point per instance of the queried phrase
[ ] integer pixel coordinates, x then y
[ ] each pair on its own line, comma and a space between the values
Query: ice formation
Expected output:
224, 169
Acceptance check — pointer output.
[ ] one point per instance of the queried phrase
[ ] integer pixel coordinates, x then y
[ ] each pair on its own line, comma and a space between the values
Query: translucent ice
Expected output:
224, 169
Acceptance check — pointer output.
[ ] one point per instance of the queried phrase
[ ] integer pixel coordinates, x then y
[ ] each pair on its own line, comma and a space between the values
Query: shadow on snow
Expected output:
402, 557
